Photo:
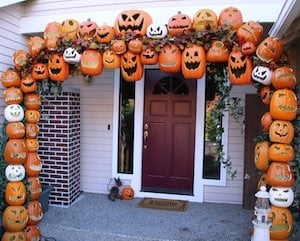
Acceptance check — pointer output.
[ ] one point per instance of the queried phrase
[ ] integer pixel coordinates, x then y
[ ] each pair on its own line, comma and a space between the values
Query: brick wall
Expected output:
59, 150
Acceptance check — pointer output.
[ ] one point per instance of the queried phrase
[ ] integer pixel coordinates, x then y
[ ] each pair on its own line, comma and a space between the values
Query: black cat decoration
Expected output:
114, 191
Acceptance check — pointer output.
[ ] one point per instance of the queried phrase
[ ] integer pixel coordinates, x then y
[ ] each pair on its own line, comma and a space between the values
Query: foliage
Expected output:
3, 140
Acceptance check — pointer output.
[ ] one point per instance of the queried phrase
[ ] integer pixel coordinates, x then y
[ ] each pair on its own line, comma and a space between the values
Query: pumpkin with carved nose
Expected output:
15, 218
204, 19
111, 60
40, 71
15, 130
131, 66
149, 56
14, 112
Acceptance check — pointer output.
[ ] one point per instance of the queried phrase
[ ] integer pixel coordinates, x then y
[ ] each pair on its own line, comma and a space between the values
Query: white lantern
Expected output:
71, 56
13, 112
281, 196
157, 31
15, 173
262, 75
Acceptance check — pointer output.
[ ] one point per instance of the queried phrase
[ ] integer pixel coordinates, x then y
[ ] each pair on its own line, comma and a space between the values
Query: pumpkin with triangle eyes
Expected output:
15, 193
231, 17
262, 74
87, 30
131, 66
179, 23
10, 78
149, 56
270, 49
15, 151
105, 34
15, 218
58, 68
281, 131
40, 71
204, 19
127, 193
170, 59
111, 60
281, 196
156, 31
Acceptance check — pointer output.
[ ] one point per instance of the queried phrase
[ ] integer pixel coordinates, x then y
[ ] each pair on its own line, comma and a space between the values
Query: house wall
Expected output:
10, 40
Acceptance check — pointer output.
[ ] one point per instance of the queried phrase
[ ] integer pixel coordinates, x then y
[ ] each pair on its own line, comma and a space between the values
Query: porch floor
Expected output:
93, 217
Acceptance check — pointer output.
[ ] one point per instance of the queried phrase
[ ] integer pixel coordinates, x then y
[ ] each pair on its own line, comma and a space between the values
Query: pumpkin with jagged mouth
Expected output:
131, 66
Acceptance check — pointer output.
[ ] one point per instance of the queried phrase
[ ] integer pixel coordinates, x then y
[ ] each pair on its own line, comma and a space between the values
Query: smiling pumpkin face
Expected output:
10, 78
58, 68
203, 19
40, 71
281, 131
28, 84
231, 17
170, 59
111, 60
105, 34
149, 56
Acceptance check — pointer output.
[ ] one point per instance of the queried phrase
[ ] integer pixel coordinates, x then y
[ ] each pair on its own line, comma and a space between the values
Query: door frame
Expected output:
135, 179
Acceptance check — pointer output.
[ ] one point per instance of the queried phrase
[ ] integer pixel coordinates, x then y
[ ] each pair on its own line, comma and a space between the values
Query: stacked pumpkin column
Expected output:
275, 156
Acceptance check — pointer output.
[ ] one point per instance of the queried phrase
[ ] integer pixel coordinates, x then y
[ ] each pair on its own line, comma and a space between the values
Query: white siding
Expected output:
96, 111
233, 191
10, 40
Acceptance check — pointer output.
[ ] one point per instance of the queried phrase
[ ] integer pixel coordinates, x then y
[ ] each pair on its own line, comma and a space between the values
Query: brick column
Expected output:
59, 150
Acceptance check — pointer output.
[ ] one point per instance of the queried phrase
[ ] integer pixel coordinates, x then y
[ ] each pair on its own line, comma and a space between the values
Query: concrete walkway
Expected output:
95, 218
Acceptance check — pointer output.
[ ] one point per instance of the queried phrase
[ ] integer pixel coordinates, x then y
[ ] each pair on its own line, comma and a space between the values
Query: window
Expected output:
211, 164
126, 126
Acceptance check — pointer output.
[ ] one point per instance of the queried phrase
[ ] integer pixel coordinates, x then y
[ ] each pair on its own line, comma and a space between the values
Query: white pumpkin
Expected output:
71, 56
15, 173
281, 196
262, 75
14, 112
157, 31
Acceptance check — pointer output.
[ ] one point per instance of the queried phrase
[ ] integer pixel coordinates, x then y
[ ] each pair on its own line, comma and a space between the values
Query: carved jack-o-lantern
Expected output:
250, 32
36, 44
283, 77
217, 52
32, 101
33, 164
135, 21
10, 78
32, 130
15, 193
105, 34
283, 105
52, 34
231, 17
71, 56
32, 233
282, 223
111, 60
149, 56
239, 68
179, 23
262, 181
135, 46
40, 71
15, 173
28, 84
261, 158
35, 212
69, 29
270, 49
280, 174
265, 94
87, 30
14, 112
156, 31
119, 46
15, 151
32, 144
281, 131
91, 62
265, 121
127, 193
193, 62
34, 187
262, 74
32, 116
15, 218
15, 130
281, 196
131, 66
20, 58
17, 236
58, 68
13, 95
170, 59
248, 48
203, 19
281, 152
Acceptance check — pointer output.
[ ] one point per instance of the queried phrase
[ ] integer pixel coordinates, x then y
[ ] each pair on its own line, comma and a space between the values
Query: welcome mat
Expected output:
163, 204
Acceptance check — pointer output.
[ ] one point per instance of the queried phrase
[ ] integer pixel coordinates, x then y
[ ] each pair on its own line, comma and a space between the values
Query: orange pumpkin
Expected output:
127, 193
87, 30
193, 62
283, 105
10, 78
34, 187
281, 131
13, 95
52, 34
179, 24
32, 116
32, 233
20, 58
283, 77
35, 212
15, 130
217, 52
149, 56
250, 32
281, 152
32, 130
262, 181
111, 60
40, 71
265, 121
33, 164
265, 94
32, 144
261, 158
204, 19
131, 66
58, 69
270, 49
282, 223
28, 84
119, 46
15, 218
170, 59
32, 101
248, 48
105, 34
231, 17
16, 236
135, 46
69, 29
91, 62
132, 21
15, 193
239, 68
280, 174
36, 44
15, 151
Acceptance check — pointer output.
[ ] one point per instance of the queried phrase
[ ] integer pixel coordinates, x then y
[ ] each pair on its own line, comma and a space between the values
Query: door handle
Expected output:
145, 139
247, 176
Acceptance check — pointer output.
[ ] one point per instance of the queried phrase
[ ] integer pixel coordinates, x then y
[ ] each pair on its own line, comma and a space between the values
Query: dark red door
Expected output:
169, 133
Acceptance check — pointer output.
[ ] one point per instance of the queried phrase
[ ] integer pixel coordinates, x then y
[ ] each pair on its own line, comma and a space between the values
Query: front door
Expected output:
169, 133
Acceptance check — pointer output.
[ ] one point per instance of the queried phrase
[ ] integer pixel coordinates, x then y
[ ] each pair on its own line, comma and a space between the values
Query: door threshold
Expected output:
167, 191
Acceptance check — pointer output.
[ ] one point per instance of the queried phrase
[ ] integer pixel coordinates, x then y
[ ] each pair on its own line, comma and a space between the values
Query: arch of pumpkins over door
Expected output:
185, 44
